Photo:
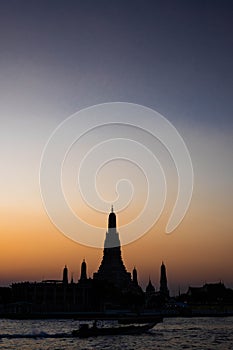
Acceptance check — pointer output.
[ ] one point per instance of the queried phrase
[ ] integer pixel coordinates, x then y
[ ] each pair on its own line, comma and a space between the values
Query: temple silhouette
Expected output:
111, 288
111, 291
112, 268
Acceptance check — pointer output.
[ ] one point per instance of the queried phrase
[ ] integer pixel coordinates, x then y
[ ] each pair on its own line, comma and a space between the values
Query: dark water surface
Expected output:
173, 333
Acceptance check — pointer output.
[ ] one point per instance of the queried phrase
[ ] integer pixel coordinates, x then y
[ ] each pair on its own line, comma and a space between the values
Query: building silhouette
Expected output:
65, 275
164, 292
157, 299
135, 276
112, 268
83, 275
112, 286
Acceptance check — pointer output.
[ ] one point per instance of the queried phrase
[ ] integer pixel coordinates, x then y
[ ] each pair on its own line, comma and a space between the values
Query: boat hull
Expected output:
127, 330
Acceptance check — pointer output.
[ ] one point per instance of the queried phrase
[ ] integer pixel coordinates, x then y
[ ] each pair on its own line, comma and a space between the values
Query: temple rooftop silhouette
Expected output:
111, 291
112, 268
111, 288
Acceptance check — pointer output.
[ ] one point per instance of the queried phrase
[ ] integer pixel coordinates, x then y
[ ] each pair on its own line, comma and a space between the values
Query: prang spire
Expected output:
112, 219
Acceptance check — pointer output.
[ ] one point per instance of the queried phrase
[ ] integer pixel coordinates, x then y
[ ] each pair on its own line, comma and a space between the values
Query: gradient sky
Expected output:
57, 57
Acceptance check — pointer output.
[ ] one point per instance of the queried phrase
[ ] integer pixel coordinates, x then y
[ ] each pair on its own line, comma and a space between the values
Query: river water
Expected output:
173, 333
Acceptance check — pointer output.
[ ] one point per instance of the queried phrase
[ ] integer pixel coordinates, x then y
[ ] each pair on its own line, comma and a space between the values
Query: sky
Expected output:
175, 57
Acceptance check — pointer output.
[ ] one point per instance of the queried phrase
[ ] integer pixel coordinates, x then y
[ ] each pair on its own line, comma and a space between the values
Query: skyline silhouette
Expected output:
111, 288
113, 270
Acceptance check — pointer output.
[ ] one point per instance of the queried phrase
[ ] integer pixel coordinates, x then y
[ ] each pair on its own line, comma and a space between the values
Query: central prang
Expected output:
112, 267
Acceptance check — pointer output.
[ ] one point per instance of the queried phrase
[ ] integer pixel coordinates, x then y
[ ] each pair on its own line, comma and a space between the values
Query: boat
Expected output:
86, 331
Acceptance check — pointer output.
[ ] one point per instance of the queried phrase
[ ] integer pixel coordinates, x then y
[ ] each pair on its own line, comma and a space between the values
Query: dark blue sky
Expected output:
174, 56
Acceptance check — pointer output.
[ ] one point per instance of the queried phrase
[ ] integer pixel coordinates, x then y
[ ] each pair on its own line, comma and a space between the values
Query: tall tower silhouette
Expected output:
135, 277
83, 276
163, 282
112, 268
65, 275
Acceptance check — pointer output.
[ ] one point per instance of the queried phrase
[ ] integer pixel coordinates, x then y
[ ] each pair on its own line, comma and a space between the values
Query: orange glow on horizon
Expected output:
33, 249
